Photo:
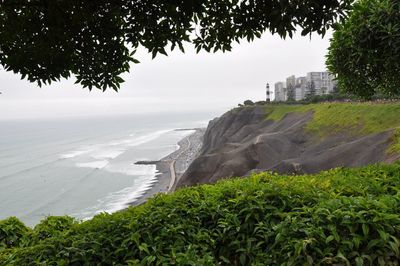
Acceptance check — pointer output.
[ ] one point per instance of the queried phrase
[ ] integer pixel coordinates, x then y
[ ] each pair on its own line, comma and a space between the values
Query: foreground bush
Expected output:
342, 216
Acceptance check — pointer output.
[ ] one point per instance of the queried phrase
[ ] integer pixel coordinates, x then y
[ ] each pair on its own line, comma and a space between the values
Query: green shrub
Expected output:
341, 216
13, 233
52, 226
364, 51
248, 103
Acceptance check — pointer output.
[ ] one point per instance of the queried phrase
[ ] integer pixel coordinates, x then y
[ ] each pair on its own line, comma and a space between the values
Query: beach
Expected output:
171, 167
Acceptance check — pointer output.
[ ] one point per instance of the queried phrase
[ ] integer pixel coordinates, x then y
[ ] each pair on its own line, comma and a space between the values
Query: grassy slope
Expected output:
361, 117
353, 118
339, 216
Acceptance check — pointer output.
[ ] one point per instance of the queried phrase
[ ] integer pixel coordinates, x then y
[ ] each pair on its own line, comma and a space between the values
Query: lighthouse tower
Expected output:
268, 94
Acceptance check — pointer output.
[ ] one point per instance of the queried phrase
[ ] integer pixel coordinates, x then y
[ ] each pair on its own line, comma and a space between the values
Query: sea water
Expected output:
83, 166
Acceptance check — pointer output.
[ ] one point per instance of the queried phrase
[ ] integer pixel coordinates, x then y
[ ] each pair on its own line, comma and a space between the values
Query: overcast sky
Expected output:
179, 82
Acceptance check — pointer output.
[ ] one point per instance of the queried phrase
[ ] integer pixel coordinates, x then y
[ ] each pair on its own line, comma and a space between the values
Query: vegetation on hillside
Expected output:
352, 118
341, 216
365, 49
395, 147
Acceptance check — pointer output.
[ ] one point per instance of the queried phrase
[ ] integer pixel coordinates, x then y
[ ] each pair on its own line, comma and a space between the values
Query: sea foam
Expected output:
73, 154
121, 199
94, 164
107, 154
113, 149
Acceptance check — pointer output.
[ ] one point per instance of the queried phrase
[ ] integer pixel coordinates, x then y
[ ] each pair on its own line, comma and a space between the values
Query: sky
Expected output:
178, 82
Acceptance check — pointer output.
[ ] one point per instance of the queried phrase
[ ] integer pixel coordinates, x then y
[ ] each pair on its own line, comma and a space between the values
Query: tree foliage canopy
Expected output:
46, 40
365, 49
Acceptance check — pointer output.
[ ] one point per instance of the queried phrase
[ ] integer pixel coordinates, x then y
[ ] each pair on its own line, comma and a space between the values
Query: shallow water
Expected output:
83, 166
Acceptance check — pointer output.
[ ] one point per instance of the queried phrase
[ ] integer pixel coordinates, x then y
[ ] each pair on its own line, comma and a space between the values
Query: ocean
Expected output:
83, 166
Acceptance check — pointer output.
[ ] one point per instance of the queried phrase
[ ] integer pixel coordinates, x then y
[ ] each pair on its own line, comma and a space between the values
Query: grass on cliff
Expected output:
351, 118
341, 217
328, 118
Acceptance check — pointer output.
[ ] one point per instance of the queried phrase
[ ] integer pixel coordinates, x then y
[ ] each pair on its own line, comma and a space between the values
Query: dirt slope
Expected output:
243, 140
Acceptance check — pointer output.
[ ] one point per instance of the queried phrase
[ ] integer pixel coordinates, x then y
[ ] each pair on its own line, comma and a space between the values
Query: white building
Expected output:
300, 88
280, 91
291, 81
323, 81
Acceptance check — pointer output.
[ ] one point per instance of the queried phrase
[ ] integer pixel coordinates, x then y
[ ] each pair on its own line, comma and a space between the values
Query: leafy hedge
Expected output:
341, 216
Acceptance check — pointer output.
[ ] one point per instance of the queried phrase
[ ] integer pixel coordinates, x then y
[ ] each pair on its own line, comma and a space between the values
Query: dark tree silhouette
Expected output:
248, 103
291, 93
46, 40
311, 92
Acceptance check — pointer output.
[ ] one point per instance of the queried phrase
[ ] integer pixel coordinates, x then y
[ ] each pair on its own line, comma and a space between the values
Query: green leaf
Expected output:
365, 229
359, 261
329, 239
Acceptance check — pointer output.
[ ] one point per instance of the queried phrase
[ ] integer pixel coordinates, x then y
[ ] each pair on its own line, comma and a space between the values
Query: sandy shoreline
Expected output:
189, 147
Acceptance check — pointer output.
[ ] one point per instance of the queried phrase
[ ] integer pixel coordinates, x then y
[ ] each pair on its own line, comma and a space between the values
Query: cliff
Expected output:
295, 139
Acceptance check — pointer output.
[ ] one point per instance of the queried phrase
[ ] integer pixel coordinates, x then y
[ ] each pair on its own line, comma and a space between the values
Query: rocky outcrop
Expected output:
243, 140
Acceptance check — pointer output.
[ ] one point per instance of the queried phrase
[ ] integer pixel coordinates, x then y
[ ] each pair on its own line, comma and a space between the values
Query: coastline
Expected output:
178, 161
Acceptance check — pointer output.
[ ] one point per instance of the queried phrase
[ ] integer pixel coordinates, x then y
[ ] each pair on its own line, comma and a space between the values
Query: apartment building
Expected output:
300, 88
280, 92
323, 83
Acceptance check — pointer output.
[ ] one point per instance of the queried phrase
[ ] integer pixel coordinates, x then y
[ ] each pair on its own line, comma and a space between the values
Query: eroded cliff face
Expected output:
243, 140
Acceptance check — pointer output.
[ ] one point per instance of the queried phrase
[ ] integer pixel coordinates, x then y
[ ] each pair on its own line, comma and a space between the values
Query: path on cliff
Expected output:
258, 139
171, 163
172, 174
